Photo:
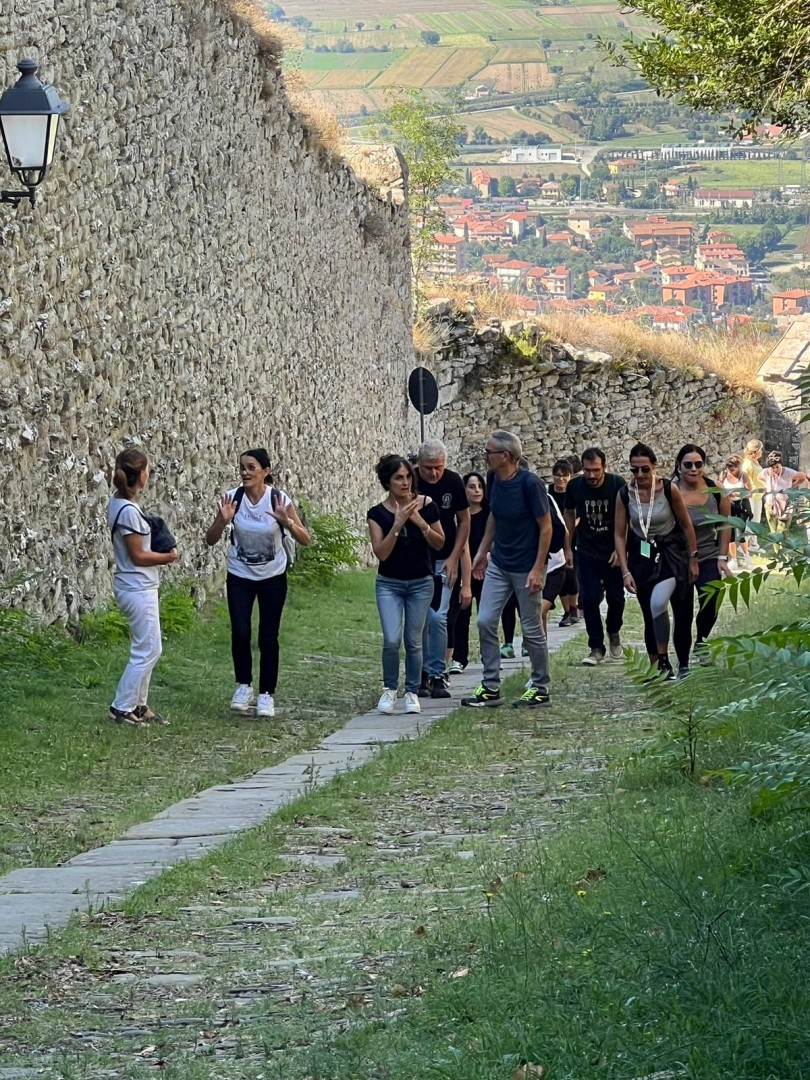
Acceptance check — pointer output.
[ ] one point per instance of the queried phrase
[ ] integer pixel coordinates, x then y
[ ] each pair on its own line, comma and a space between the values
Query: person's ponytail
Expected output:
128, 468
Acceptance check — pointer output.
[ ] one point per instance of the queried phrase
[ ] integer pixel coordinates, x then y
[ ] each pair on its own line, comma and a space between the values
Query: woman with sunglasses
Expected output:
736, 482
702, 500
656, 549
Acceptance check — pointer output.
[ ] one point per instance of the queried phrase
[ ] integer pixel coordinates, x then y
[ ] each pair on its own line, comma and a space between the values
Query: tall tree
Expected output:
426, 133
750, 56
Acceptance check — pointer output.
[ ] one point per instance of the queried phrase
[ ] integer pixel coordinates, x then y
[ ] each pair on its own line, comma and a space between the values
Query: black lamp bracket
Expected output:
17, 197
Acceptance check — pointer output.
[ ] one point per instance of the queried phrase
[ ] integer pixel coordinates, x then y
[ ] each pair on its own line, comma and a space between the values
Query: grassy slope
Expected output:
507, 898
70, 780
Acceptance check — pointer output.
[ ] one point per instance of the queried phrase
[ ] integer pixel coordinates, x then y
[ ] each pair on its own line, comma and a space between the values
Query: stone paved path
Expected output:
36, 900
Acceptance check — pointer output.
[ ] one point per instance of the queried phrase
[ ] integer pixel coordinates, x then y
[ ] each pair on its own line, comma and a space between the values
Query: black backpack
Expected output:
162, 541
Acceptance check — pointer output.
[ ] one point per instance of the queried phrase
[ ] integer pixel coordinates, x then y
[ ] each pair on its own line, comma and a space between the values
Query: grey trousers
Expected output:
498, 587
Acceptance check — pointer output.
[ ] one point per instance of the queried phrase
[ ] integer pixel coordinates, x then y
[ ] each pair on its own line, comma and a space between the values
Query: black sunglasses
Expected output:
691, 464
640, 468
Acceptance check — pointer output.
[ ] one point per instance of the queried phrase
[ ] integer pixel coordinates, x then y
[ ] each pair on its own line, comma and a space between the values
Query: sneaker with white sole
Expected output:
615, 651
412, 703
594, 657
265, 706
243, 698
456, 668
387, 702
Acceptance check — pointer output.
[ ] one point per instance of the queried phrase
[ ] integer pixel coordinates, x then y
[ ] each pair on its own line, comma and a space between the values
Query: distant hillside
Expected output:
355, 51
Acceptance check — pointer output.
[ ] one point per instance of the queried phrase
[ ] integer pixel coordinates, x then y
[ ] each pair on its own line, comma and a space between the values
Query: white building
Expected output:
520, 155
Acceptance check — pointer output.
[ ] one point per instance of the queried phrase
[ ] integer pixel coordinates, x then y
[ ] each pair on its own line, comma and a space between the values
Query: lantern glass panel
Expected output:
27, 140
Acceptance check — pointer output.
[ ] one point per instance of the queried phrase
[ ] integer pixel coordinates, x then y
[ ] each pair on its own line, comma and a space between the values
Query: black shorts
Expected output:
554, 584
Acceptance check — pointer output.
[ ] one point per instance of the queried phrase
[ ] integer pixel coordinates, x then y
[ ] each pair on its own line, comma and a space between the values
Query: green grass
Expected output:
69, 779
312, 61
750, 174
524, 889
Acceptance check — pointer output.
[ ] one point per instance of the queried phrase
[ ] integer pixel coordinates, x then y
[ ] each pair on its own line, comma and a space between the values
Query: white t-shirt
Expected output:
775, 502
128, 518
256, 551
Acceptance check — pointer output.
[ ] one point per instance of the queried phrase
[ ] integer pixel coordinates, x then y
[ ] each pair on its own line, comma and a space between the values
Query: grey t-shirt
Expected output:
127, 518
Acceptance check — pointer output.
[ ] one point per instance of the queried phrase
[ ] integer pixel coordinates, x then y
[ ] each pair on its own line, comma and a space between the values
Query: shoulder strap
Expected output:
117, 516
238, 495
120, 512
667, 485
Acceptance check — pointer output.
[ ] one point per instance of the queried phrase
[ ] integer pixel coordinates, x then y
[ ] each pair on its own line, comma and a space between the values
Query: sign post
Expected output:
423, 393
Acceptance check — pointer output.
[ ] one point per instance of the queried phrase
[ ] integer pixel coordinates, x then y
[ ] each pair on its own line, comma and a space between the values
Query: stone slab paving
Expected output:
36, 900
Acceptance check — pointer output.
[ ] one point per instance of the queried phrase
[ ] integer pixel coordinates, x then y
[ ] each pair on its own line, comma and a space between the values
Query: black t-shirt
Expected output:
478, 523
557, 496
595, 509
411, 557
450, 497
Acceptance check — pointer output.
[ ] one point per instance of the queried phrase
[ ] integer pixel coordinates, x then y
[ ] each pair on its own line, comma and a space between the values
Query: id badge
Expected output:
646, 550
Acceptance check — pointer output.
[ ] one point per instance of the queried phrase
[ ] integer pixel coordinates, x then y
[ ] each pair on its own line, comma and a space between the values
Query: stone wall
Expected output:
560, 399
197, 277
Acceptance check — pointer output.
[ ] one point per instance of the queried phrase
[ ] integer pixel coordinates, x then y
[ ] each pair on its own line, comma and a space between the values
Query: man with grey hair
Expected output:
446, 489
518, 535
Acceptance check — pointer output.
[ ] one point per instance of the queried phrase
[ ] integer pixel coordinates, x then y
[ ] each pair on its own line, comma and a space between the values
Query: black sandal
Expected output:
146, 716
123, 716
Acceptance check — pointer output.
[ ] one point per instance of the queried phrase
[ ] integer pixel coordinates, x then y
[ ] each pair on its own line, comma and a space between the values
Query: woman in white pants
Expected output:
135, 588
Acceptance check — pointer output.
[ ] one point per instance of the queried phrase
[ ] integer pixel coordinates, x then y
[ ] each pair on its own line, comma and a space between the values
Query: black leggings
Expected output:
461, 634
654, 599
707, 611
271, 595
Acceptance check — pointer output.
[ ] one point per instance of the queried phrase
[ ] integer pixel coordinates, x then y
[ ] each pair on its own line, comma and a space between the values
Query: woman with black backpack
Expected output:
135, 587
656, 550
263, 521
703, 499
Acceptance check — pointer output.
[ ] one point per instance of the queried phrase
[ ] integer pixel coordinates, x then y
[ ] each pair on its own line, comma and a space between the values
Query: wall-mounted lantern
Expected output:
29, 119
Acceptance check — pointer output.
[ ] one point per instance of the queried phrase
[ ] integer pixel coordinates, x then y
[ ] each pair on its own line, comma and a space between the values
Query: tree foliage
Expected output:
750, 57
426, 133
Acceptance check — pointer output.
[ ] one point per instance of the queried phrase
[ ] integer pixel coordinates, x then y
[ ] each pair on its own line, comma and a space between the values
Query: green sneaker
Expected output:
532, 699
482, 697
507, 651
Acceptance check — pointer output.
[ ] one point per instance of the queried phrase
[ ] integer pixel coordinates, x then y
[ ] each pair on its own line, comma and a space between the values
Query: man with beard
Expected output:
590, 506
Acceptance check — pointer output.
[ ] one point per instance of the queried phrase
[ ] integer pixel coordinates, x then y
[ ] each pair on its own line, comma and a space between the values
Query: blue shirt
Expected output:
516, 504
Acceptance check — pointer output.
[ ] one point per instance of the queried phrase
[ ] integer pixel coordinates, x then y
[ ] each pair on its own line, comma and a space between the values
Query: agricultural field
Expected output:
506, 45
751, 174
503, 123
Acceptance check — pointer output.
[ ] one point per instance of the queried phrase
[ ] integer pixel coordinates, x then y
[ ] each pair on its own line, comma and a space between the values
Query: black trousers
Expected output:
597, 578
461, 636
271, 595
509, 619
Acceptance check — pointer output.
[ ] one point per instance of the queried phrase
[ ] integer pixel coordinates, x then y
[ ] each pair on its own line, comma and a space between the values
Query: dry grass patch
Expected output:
484, 301
735, 360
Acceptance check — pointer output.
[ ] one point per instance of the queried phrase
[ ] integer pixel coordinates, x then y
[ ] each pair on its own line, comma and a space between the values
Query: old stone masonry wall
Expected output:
560, 399
198, 277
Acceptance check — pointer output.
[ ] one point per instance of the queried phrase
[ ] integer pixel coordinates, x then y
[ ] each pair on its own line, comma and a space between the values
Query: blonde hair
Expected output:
753, 446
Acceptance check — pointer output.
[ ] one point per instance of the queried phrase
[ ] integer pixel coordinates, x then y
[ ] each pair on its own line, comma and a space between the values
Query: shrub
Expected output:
333, 548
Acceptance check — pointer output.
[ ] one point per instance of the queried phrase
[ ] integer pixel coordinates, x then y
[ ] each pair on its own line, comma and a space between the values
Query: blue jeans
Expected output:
434, 640
498, 587
395, 600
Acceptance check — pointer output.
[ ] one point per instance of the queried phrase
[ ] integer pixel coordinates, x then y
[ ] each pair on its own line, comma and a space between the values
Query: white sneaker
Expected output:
265, 706
243, 698
412, 703
387, 702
